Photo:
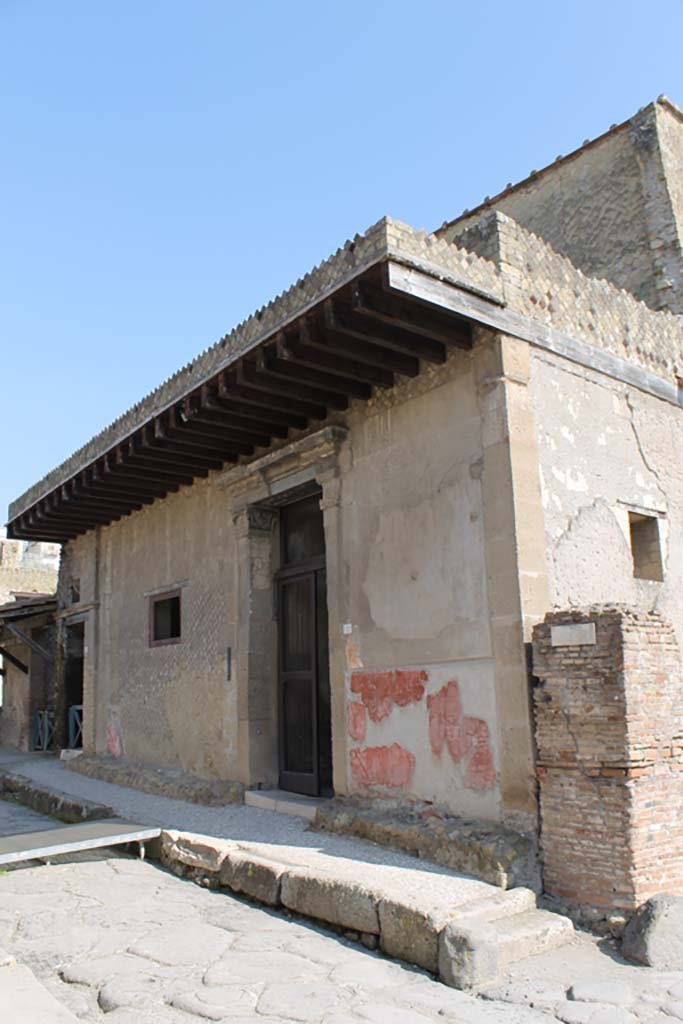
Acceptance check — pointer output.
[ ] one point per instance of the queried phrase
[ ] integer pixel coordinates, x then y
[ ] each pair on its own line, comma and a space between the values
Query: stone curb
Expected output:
460, 944
24, 1000
51, 802
159, 781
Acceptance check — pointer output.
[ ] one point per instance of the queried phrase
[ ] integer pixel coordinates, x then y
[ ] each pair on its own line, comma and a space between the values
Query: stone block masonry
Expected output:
609, 733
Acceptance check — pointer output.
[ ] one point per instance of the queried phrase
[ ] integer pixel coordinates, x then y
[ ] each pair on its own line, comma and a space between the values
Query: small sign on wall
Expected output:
573, 634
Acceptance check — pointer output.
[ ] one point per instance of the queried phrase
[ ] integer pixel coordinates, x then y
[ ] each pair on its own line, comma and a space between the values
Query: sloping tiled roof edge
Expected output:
386, 239
490, 201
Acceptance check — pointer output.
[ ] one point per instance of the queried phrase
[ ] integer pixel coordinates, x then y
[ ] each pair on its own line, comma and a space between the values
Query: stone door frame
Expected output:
256, 492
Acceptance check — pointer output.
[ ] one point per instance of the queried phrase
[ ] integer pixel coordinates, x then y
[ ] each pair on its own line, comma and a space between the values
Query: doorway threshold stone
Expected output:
285, 803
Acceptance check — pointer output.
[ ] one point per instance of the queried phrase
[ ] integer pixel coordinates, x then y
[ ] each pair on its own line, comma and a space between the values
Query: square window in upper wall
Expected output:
646, 546
164, 619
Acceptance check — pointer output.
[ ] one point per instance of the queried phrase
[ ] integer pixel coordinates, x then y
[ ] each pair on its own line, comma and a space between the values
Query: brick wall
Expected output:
609, 733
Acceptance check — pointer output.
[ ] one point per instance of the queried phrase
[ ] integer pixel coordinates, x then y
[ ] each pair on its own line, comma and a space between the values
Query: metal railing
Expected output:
43, 729
75, 723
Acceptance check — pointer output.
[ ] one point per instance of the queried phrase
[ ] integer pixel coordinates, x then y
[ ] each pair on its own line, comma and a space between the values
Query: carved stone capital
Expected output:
261, 519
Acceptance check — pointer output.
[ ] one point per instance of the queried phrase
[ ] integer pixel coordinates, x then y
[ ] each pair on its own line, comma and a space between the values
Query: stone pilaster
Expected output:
515, 554
256, 647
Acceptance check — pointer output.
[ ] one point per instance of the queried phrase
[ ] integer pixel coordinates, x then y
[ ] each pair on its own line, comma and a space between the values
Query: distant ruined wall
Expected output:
609, 734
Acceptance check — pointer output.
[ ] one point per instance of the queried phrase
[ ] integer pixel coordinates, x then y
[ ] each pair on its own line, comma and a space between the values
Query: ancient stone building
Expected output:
315, 556
28, 582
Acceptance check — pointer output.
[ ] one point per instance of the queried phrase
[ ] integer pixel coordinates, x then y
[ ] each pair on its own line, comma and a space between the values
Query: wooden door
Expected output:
304, 690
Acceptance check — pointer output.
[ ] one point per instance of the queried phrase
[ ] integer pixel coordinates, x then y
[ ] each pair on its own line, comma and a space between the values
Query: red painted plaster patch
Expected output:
462, 735
445, 720
356, 721
382, 766
380, 691
113, 741
481, 773
408, 686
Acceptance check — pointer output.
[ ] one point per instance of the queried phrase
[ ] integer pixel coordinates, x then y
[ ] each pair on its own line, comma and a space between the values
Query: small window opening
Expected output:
164, 619
645, 546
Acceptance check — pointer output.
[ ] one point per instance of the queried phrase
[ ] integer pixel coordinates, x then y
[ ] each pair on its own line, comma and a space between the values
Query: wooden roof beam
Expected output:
72, 495
29, 532
278, 360
388, 308
85, 484
327, 339
302, 351
206, 413
102, 481
241, 401
168, 462
123, 467
254, 390
344, 319
173, 440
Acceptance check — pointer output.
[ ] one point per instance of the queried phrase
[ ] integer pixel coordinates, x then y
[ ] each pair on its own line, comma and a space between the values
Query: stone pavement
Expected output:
15, 819
420, 912
117, 939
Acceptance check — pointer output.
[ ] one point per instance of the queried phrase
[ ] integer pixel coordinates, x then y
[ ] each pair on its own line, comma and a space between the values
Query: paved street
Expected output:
117, 939
15, 819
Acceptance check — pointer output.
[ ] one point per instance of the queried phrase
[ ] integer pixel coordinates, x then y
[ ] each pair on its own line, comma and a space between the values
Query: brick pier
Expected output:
609, 732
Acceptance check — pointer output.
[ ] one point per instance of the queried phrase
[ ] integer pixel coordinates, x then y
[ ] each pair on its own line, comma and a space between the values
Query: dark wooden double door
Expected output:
304, 684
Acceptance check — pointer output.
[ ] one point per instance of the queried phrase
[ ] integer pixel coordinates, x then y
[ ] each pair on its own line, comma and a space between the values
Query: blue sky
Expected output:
169, 166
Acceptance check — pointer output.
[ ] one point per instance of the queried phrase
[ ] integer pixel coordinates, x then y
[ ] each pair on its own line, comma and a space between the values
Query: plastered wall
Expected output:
171, 704
15, 712
606, 448
418, 666
411, 598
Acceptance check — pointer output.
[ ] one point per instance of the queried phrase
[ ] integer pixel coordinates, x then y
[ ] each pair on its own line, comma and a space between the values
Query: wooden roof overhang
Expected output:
362, 337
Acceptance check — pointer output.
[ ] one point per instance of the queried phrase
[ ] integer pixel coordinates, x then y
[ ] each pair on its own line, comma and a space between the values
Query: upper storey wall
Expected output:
614, 208
548, 288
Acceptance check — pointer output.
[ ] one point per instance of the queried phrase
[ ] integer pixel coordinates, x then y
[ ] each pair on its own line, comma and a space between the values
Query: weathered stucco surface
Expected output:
414, 591
15, 713
407, 571
171, 703
606, 448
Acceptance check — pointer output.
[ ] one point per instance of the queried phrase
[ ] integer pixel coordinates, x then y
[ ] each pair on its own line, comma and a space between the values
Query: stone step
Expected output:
530, 933
475, 949
502, 903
